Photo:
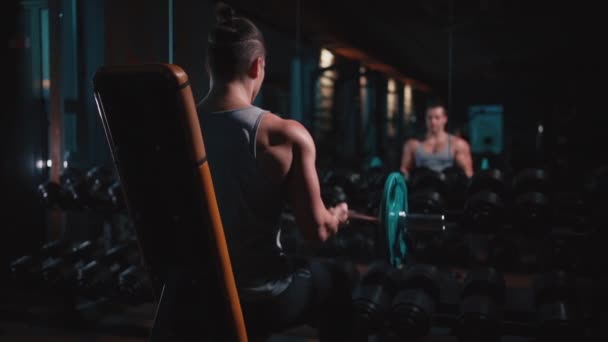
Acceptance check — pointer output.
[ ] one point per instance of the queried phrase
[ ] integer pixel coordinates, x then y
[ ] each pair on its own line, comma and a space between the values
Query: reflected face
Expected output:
436, 119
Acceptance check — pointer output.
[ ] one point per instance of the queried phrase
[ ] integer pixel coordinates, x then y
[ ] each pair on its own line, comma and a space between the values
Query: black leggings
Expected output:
319, 295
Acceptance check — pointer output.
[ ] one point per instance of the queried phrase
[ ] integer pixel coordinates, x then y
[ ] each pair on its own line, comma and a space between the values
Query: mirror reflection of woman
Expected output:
439, 149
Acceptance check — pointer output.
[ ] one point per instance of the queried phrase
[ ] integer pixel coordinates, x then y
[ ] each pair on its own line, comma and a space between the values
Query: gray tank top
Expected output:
250, 205
435, 161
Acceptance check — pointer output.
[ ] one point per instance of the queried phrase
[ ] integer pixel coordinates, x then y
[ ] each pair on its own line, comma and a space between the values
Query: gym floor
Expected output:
130, 324
108, 322
27, 332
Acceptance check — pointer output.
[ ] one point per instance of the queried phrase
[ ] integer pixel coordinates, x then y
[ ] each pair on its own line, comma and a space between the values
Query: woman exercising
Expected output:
259, 162
439, 149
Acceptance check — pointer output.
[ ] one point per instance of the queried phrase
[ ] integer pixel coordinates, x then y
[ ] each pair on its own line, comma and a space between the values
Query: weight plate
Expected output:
393, 207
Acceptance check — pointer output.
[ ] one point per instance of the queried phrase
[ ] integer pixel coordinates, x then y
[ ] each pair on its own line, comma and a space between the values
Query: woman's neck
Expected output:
439, 136
227, 96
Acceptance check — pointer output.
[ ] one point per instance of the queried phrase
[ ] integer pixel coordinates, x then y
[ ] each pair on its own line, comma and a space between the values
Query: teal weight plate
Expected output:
393, 207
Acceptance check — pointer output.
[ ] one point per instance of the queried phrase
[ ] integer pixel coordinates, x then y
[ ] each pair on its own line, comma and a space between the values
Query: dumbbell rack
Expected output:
519, 311
520, 317
67, 303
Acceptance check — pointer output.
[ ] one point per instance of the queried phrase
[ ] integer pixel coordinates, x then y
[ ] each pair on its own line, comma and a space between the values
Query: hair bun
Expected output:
224, 14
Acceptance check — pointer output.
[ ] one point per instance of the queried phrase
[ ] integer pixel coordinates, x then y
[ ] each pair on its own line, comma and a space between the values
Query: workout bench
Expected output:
152, 128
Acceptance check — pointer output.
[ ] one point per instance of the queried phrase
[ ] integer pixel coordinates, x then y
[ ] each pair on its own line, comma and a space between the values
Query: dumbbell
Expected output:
484, 208
482, 299
456, 182
555, 298
54, 248
134, 286
531, 203
347, 180
348, 242
372, 298
99, 277
427, 201
73, 193
49, 193
428, 191
53, 265
98, 179
116, 197
491, 180
59, 271
345, 243
25, 270
425, 178
333, 195
369, 193
416, 298
351, 244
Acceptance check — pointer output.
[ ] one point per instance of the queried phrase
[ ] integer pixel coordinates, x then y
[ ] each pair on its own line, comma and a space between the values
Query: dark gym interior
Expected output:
509, 253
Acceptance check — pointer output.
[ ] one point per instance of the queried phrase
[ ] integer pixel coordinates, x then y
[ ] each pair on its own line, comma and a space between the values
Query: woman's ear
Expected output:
256, 67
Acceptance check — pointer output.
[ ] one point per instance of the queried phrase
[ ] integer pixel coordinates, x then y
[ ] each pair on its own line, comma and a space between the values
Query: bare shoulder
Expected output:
460, 143
285, 130
297, 133
411, 143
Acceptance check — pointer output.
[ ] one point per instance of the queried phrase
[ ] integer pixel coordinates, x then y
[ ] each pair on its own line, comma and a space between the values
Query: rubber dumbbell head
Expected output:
490, 180
372, 298
416, 297
481, 305
484, 212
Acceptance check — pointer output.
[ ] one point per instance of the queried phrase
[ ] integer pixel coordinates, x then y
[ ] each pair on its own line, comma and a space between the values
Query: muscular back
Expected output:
287, 154
275, 147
